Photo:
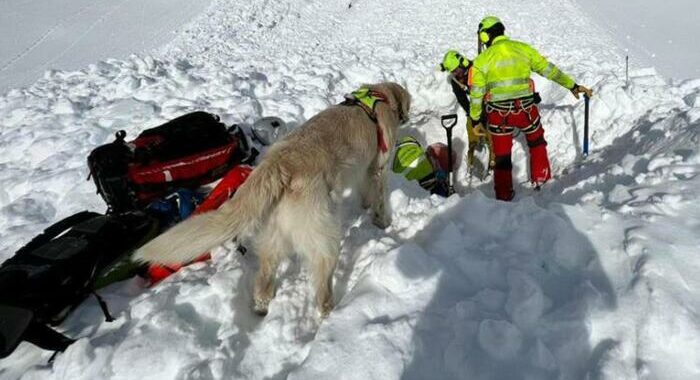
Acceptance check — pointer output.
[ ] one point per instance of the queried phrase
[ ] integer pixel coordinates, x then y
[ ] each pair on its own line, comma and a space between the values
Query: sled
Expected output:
223, 191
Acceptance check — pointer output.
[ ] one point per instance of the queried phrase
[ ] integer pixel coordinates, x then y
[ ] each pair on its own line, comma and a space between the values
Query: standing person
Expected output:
500, 79
458, 66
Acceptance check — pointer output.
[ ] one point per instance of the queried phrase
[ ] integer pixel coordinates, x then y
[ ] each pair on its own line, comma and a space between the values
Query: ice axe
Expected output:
586, 100
448, 122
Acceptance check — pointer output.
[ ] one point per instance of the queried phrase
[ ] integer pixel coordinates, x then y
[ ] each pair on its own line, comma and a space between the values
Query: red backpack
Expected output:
187, 152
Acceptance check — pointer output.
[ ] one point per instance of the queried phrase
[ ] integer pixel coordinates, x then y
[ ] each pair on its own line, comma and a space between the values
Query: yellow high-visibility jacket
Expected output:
502, 72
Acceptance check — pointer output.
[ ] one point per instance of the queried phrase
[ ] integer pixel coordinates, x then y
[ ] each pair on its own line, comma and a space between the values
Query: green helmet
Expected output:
453, 60
407, 140
488, 22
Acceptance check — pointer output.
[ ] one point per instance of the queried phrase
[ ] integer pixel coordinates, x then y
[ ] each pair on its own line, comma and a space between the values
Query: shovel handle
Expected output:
585, 124
449, 121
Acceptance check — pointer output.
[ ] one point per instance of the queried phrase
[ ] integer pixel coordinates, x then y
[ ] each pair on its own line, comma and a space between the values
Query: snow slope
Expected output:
36, 36
657, 33
594, 277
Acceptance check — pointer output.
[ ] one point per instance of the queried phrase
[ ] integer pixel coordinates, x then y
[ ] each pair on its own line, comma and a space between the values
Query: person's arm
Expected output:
461, 94
541, 66
477, 90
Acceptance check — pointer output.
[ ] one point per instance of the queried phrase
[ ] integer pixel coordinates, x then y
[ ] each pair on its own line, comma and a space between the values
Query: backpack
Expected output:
50, 276
187, 152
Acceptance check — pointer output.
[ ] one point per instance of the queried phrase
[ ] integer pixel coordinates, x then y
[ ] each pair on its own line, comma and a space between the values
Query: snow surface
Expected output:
662, 34
41, 35
596, 276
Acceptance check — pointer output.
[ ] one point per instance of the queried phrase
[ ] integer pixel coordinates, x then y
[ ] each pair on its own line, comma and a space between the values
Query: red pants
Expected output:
502, 124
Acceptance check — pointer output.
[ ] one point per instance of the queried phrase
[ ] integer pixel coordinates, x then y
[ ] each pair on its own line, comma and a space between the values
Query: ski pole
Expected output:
448, 122
585, 125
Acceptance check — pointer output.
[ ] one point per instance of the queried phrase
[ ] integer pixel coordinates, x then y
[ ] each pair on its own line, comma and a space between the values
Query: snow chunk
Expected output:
500, 339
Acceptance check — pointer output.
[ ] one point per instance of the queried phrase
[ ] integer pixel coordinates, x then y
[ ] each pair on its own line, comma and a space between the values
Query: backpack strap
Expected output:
14, 321
103, 306
47, 338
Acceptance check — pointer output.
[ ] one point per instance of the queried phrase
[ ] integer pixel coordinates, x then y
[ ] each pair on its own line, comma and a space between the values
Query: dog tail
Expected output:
238, 217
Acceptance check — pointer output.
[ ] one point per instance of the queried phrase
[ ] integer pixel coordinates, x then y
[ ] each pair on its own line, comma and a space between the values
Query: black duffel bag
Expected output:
51, 275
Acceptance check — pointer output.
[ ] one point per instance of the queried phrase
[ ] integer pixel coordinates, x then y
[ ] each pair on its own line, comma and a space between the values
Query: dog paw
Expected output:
260, 307
381, 221
325, 309
366, 204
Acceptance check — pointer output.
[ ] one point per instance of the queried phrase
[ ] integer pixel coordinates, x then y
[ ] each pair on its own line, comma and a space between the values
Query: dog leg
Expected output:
270, 252
323, 268
366, 191
322, 248
316, 237
380, 214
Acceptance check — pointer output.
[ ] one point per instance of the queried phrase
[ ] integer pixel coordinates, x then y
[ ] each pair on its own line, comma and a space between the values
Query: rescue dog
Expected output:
289, 201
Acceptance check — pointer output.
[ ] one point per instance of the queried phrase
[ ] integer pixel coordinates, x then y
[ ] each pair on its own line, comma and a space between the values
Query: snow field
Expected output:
652, 33
593, 277
36, 36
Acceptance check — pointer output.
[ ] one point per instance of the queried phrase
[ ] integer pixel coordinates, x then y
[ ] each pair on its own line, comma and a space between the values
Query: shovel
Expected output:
448, 122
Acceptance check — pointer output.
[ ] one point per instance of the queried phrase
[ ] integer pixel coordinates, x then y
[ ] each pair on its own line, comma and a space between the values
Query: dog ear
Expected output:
394, 100
403, 99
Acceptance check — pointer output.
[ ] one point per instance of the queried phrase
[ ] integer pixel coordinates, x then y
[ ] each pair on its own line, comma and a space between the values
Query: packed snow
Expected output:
592, 277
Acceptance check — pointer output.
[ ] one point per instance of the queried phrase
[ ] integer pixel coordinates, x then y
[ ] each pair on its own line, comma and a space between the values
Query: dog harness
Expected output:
367, 99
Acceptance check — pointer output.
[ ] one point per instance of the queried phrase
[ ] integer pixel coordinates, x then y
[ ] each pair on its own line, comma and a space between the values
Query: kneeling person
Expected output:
458, 68
428, 167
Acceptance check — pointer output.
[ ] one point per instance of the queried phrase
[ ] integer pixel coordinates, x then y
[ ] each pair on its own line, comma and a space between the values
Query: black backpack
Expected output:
187, 152
51, 275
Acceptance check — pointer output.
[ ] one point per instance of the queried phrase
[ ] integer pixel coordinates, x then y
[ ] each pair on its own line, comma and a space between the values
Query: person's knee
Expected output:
503, 163
536, 141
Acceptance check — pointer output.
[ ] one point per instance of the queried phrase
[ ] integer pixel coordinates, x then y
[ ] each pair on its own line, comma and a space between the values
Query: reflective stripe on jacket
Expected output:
503, 73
